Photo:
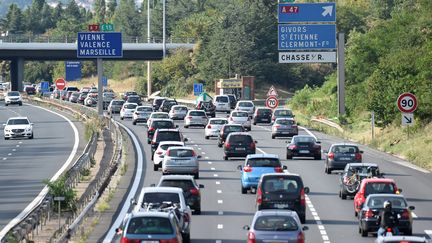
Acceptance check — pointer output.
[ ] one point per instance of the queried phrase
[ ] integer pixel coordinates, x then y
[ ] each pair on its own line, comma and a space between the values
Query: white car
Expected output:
246, 105
13, 97
141, 114
18, 127
213, 127
157, 115
127, 110
241, 118
159, 153
178, 112
222, 103
195, 118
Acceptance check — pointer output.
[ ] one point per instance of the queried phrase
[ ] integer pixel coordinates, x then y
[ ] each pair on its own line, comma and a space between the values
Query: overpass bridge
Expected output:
20, 48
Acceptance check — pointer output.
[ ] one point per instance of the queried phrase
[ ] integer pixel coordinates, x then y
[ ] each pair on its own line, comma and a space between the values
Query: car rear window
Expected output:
378, 202
158, 101
168, 136
218, 122
160, 197
239, 114
116, 102
197, 113
281, 185
276, 223
304, 140
264, 111
150, 225
345, 149
245, 104
180, 153
233, 129
183, 184
285, 122
131, 93
180, 108
162, 124
382, 187
160, 115
166, 146
263, 162
130, 106
148, 109
240, 139
167, 103
222, 99
283, 113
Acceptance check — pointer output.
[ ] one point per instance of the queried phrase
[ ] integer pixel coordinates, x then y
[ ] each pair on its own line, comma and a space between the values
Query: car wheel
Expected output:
155, 167
317, 157
273, 136
363, 232
225, 157
343, 195
219, 145
6, 104
148, 142
327, 170
133, 123
121, 118
303, 218
186, 238
186, 126
288, 156
31, 136
355, 213
6, 138
254, 123
206, 137
408, 232
20, 104
197, 211
243, 190
196, 176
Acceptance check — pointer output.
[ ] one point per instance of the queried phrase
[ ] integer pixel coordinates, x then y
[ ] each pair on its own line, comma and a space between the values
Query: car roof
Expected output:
284, 118
265, 212
273, 156
159, 112
386, 195
162, 119
342, 144
403, 238
303, 136
221, 95
376, 180
279, 174
182, 147
278, 109
218, 118
179, 106
150, 213
146, 106
18, 117
196, 110
128, 103
233, 125
177, 177
162, 189
171, 142
240, 133
168, 130
362, 164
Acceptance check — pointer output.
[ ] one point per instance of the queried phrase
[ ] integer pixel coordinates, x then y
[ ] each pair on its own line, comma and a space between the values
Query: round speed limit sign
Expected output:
407, 102
272, 102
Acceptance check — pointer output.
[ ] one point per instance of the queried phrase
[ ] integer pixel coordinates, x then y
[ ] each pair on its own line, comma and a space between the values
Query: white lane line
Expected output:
261, 151
4, 158
217, 182
215, 175
203, 153
13, 150
9, 154
308, 132
193, 142
429, 233
212, 168
411, 166
19, 142
414, 215
206, 157
17, 145
218, 241
219, 191
199, 148
196, 145
210, 162
220, 213
220, 201
220, 226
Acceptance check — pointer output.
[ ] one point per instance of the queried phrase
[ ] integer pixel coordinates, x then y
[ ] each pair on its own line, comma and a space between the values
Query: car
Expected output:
181, 160
239, 144
213, 127
254, 166
159, 153
127, 110
304, 146
373, 186
30, 90
13, 97
246, 105
160, 226
107, 97
56, 94
157, 102
157, 115
339, 155
151, 197
18, 127
282, 191
85, 89
275, 226
208, 107
374, 203
74, 97
115, 106
71, 88
167, 104
165, 134
68, 95
158, 123
178, 112
82, 97
91, 100
282, 113
226, 130
134, 99
141, 114
284, 127
222, 103
232, 100
191, 189
401, 238
262, 115
353, 174
195, 118
126, 95
241, 118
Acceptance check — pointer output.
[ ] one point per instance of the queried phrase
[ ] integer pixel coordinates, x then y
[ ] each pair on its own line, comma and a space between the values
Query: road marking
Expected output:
261, 151
217, 182
13, 150
218, 241
9, 154
4, 158
220, 201
193, 142
206, 157
414, 215
215, 175
210, 162
429, 233
199, 148
219, 191
220, 213
19, 142
212, 168
17, 145
202, 152
411, 166
220, 226
196, 145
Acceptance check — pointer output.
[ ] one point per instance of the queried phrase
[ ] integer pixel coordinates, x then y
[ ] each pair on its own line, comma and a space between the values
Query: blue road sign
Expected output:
99, 45
104, 81
198, 89
44, 85
73, 70
306, 12
306, 36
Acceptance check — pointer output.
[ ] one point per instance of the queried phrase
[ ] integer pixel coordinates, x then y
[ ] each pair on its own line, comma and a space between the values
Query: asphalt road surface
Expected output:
225, 210
25, 163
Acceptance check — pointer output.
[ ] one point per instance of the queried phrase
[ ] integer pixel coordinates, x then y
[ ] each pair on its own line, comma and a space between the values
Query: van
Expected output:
222, 103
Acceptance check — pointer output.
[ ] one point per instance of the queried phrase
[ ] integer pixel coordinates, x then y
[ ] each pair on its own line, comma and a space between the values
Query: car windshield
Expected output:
283, 113
160, 197
149, 225
304, 140
345, 149
148, 109
13, 93
133, 99
180, 152
280, 185
162, 124
18, 122
379, 187
180, 108
263, 162
183, 184
233, 129
168, 136
240, 139
166, 146
130, 106
218, 122
160, 115
158, 101
116, 102
197, 113
168, 103
378, 202
245, 104
276, 223
222, 99
239, 114
285, 122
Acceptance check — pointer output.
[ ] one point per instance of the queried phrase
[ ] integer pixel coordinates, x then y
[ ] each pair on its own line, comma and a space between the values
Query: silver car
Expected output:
141, 114
284, 127
127, 110
115, 106
276, 226
181, 160
246, 105
213, 127
157, 115
195, 118
178, 112
241, 118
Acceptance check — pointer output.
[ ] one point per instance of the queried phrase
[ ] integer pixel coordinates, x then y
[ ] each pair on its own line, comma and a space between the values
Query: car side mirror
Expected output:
152, 185
246, 227
177, 126
185, 139
256, 141
411, 207
399, 190
201, 186
284, 167
298, 124
293, 115
306, 190
305, 228
361, 151
32, 123
239, 167
118, 231
318, 142
199, 156
133, 202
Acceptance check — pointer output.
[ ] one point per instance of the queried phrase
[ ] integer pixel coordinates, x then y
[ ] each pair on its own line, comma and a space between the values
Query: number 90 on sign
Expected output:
272, 102
407, 102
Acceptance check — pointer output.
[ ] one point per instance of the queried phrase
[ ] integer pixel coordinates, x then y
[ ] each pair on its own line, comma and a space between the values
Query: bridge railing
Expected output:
29, 38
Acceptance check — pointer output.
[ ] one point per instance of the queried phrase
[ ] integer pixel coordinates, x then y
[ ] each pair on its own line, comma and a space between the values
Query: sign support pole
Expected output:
149, 81
100, 86
164, 28
341, 73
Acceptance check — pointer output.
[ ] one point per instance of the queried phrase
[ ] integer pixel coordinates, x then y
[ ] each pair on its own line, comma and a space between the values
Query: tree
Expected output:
111, 8
58, 12
127, 18
72, 11
14, 19
100, 11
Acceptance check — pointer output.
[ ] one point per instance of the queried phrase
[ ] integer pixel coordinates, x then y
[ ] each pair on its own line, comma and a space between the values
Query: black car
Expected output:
134, 99
156, 124
208, 107
163, 134
282, 191
226, 130
167, 104
262, 115
232, 100
239, 144
362, 171
341, 154
368, 215
157, 102
191, 190
30, 90
304, 146
128, 93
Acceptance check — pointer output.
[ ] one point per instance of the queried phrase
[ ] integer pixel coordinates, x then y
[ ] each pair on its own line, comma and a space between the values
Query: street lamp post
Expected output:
149, 81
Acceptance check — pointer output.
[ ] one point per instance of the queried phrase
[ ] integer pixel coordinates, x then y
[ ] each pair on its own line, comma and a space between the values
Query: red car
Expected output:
373, 186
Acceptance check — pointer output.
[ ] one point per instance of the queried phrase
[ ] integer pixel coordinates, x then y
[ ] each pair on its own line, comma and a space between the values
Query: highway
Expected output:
225, 210
25, 163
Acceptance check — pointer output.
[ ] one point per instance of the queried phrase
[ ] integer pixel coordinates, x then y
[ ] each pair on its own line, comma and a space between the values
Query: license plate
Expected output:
344, 158
281, 205
304, 151
263, 119
285, 132
240, 149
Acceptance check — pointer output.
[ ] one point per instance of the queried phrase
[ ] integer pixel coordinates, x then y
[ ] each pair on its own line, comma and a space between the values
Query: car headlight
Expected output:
7, 130
28, 129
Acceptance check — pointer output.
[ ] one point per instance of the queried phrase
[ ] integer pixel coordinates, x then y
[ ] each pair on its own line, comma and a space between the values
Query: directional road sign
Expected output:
198, 89
307, 12
60, 83
272, 91
104, 81
407, 102
99, 45
272, 102
73, 70
407, 119
306, 36
307, 57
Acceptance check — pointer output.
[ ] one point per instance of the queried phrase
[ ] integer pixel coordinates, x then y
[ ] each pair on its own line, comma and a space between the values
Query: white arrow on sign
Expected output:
328, 10
407, 119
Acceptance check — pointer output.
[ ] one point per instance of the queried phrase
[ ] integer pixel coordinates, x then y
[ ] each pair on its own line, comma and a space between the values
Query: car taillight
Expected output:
278, 169
194, 191
405, 214
331, 155
300, 237
194, 153
369, 214
277, 126
159, 152
151, 129
247, 169
292, 147
358, 156
302, 197
189, 117
209, 126
252, 145
186, 218
251, 237
125, 240
227, 145
259, 196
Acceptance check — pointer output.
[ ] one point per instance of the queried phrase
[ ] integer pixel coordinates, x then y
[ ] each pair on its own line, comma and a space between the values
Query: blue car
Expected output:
256, 165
